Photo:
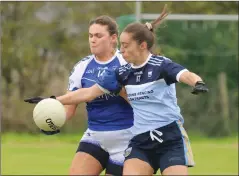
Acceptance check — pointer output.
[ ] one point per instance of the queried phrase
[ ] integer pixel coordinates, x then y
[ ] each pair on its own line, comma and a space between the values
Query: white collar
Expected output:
106, 62
143, 64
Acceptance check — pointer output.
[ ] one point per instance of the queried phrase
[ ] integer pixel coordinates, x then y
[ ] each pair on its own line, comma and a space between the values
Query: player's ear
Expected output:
114, 38
143, 45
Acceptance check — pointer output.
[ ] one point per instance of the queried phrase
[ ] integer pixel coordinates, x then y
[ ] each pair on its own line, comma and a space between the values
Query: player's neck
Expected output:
142, 58
105, 56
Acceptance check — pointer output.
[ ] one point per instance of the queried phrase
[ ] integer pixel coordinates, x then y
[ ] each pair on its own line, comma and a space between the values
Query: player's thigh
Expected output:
138, 162
136, 166
176, 170
85, 164
90, 158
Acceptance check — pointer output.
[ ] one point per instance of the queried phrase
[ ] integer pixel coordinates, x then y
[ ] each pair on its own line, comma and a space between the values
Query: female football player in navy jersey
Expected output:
160, 141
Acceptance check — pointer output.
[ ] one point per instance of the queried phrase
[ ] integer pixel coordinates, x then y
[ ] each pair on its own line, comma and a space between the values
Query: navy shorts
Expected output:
161, 148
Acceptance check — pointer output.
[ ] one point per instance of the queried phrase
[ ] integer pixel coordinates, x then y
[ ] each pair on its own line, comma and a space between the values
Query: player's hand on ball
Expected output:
50, 132
35, 100
200, 87
49, 115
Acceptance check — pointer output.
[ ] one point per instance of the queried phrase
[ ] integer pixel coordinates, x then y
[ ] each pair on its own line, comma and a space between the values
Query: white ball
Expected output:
49, 114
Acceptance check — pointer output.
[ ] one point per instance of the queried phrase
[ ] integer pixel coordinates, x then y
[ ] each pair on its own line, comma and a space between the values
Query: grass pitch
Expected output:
23, 154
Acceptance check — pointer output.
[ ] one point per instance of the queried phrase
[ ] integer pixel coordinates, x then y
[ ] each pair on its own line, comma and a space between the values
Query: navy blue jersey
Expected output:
151, 91
109, 111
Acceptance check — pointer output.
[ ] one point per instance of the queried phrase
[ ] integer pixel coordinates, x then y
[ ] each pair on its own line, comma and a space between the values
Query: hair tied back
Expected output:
149, 26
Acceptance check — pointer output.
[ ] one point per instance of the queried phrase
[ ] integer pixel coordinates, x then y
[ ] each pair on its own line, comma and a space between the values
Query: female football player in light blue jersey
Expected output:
109, 116
160, 141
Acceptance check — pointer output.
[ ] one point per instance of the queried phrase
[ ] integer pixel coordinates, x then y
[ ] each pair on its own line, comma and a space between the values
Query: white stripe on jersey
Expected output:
155, 61
154, 64
89, 79
179, 74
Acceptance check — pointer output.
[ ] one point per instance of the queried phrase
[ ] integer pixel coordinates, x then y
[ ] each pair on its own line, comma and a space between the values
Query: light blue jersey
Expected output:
151, 92
108, 112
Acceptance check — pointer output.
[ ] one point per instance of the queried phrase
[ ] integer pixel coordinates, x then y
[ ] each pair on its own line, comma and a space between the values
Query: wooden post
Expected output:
222, 79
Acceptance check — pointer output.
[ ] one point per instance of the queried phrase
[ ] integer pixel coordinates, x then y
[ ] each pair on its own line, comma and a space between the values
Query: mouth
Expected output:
124, 55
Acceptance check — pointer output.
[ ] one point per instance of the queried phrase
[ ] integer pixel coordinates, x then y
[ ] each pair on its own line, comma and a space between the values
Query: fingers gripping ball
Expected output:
49, 115
108, 80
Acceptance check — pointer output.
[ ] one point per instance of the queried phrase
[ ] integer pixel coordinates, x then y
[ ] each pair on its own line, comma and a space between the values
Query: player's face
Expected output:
129, 48
99, 39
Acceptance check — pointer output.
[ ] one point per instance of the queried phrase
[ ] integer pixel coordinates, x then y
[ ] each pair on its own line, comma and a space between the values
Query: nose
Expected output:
93, 39
121, 50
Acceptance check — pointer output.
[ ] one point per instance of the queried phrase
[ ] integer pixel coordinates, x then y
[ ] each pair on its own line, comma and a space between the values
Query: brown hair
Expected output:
145, 32
106, 21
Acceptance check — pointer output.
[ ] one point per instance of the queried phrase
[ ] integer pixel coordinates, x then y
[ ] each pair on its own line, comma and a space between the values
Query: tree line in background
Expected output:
41, 42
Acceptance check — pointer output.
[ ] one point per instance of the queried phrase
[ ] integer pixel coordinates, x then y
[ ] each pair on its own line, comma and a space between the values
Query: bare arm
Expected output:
189, 78
70, 109
80, 95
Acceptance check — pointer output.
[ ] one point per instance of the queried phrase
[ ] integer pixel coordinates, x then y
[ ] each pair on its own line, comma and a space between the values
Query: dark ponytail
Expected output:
145, 32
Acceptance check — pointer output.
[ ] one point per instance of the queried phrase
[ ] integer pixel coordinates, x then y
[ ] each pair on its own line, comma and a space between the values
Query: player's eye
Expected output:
99, 35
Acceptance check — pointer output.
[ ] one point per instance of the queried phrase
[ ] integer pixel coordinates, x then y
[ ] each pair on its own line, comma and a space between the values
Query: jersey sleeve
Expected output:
107, 81
122, 73
74, 79
171, 71
111, 81
77, 73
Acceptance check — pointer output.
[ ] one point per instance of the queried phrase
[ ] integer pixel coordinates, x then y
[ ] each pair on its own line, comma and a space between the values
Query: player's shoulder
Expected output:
84, 60
81, 63
158, 60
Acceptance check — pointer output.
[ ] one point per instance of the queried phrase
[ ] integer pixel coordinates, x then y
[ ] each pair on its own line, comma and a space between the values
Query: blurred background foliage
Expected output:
41, 42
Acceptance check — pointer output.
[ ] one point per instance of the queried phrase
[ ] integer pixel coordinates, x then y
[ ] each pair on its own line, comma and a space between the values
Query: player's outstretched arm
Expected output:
74, 97
85, 95
106, 83
195, 81
81, 95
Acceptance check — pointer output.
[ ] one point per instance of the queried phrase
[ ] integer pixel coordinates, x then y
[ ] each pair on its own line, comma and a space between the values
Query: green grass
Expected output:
28, 154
